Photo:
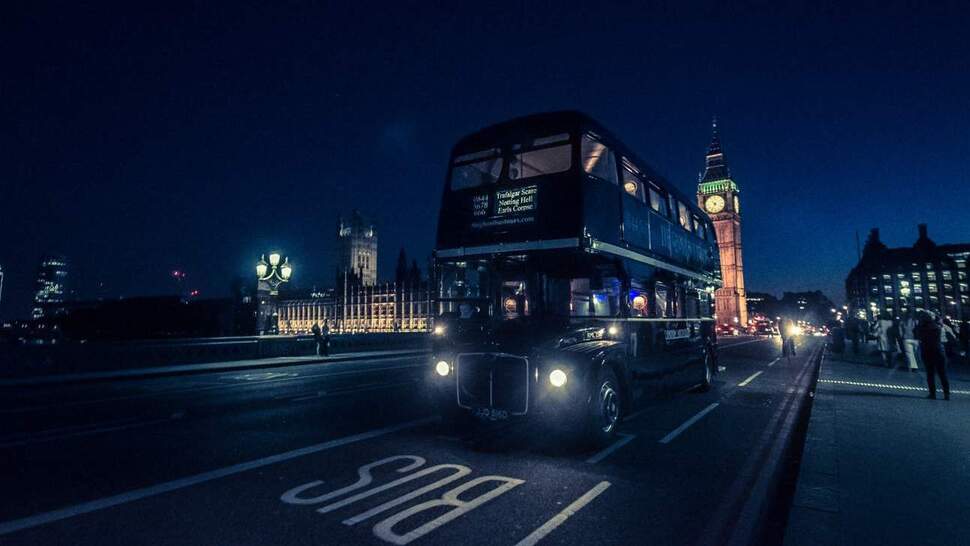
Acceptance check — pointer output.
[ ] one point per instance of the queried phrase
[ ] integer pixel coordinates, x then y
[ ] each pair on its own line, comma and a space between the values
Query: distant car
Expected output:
728, 330
762, 328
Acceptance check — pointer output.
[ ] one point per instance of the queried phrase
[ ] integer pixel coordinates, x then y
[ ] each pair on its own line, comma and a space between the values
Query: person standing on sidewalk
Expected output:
930, 332
326, 339
907, 331
883, 333
317, 337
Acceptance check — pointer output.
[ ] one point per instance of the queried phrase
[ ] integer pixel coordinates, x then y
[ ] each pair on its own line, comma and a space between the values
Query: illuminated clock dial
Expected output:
737, 205
714, 204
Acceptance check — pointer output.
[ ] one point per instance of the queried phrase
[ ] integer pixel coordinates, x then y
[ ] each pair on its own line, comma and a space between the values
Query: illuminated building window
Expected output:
932, 287
931, 275
916, 276
947, 275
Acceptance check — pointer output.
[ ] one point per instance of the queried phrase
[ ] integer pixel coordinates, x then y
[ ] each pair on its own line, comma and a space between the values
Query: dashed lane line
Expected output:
750, 378
624, 440
566, 513
882, 385
697, 417
772, 363
44, 518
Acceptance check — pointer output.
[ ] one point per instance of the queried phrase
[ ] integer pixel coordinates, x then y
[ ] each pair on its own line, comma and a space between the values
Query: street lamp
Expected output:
273, 272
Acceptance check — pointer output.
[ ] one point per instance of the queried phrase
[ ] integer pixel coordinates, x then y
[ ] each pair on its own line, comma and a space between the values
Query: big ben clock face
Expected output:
714, 204
737, 205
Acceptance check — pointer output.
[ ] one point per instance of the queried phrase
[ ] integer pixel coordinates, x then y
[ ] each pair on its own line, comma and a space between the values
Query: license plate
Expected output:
491, 414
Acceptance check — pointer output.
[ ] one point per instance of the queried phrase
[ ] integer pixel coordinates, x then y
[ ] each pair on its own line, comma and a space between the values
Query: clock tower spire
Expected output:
717, 194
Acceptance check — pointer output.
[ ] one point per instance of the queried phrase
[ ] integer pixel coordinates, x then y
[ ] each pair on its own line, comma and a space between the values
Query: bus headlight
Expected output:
439, 330
442, 368
557, 377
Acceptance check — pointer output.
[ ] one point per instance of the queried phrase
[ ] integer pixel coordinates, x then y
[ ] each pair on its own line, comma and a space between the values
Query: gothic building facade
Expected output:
717, 194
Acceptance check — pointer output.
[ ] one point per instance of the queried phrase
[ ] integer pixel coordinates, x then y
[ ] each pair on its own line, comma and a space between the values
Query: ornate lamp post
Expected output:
271, 272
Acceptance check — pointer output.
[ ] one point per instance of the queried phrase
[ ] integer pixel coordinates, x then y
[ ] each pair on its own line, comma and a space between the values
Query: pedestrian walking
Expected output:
883, 332
949, 337
930, 332
907, 331
786, 329
317, 336
854, 331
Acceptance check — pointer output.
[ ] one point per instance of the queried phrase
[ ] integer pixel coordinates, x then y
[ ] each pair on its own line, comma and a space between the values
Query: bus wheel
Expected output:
604, 409
708, 381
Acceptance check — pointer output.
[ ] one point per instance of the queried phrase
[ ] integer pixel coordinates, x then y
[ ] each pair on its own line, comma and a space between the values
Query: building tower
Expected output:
357, 247
717, 194
49, 295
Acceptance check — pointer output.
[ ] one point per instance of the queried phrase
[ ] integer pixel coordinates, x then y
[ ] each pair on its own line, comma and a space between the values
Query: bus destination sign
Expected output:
512, 206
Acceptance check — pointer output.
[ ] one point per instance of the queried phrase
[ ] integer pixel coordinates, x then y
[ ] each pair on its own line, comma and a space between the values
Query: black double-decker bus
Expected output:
571, 278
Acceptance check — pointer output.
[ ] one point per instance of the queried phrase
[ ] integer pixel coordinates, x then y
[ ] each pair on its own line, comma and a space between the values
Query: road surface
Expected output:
345, 453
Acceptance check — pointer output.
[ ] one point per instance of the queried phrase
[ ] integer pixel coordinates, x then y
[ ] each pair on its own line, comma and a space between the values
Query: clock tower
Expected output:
717, 194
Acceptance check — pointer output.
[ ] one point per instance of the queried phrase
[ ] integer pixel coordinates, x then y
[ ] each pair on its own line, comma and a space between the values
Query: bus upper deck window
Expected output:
476, 169
657, 201
554, 156
684, 216
598, 160
698, 227
632, 184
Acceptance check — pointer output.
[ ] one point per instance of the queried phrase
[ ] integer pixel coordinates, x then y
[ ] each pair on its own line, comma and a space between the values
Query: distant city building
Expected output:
763, 304
357, 250
1, 286
356, 308
897, 280
51, 286
717, 194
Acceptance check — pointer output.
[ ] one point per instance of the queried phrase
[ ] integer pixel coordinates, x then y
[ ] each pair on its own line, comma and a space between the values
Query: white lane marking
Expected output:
107, 427
44, 518
750, 378
772, 363
384, 529
738, 344
676, 432
566, 513
882, 385
624, 440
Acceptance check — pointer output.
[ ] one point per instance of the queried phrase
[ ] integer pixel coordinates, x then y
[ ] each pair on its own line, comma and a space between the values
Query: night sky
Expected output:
192, 137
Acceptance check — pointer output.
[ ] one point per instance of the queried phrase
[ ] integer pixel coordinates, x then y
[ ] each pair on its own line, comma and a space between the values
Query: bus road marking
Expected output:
624, 440
676, 432
44, 518
750, 379
566, 513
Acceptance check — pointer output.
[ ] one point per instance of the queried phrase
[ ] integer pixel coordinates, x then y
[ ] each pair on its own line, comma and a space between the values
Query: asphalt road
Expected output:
347, 453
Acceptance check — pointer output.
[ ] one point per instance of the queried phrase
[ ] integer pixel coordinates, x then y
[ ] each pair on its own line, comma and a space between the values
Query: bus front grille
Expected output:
494, 381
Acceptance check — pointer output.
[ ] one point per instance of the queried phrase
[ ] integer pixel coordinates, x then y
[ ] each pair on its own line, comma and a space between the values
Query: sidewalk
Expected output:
181, 369
882, 464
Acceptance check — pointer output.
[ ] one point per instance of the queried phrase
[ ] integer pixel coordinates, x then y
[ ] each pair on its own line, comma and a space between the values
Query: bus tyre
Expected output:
708, 380
604, 410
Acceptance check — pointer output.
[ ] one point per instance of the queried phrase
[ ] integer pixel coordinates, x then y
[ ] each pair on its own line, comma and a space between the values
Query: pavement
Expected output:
881, 463
351, 452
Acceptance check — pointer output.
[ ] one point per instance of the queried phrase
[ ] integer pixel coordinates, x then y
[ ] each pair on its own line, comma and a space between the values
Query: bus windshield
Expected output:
536, 157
